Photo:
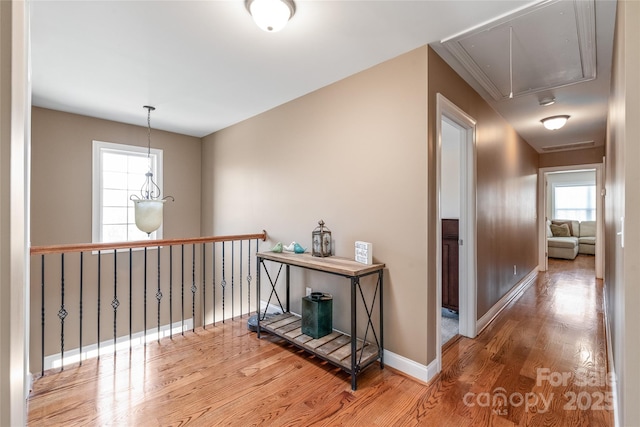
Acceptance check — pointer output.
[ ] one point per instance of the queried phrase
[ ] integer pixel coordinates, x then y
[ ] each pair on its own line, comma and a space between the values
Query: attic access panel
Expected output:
553, 45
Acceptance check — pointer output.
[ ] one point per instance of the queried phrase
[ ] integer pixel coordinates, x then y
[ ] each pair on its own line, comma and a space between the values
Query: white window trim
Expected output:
96, 194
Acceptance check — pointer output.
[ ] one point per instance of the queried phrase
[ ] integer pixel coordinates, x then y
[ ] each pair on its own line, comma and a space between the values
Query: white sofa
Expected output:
581, 238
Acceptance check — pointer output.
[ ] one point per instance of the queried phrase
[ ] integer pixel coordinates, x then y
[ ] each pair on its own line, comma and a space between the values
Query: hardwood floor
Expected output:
526, 368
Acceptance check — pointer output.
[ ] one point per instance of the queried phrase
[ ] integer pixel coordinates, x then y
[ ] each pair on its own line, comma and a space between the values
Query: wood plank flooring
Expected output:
526, 368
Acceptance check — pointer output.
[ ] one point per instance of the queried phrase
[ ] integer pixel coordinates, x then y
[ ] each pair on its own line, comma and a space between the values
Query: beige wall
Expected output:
353, 154
61, 191
622, 273
572, 157
61, 175
506, 190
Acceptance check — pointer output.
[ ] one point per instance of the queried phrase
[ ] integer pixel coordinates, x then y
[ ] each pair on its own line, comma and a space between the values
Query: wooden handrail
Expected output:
82, 247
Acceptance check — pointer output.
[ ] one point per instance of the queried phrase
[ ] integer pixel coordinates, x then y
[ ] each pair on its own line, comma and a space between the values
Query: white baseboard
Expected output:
426, 373
395, 361
611, 375
410, 367
271, 308
106, 347
29, 385
515, 292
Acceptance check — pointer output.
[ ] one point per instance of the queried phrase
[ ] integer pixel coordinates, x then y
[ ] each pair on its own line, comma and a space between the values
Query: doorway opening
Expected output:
456, 218
572, 195
452, 138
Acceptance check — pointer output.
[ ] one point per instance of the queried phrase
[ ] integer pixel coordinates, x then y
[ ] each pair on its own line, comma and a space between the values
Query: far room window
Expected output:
118, 172
576, 202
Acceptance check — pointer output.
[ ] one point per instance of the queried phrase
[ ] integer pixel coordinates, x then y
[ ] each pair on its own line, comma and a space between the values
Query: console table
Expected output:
348, 352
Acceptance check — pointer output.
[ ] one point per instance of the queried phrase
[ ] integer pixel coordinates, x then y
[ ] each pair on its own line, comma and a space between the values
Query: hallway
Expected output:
542, 362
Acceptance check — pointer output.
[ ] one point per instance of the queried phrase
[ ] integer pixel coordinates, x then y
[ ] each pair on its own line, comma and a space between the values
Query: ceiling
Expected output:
205, 65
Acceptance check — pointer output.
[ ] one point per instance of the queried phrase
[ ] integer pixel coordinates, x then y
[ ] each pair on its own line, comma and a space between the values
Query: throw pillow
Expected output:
569, 224
560, 230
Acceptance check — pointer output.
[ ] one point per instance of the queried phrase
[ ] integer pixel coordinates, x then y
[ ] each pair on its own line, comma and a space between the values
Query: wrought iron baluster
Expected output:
249, 277
159, 294
115, 303
223, 283
193, 287
240, 278
171, 291
42, 314
182, 292
213, 279
99, 294
130, 296
145, 296
204, 287
81, 289
233, 270
62, 313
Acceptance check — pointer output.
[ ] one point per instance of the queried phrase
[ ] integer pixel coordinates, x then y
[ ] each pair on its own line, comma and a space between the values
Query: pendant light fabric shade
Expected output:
271, 15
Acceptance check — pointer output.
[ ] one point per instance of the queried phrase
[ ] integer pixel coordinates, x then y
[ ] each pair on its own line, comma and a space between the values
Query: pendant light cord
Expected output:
149, 110
511, 61
149, 190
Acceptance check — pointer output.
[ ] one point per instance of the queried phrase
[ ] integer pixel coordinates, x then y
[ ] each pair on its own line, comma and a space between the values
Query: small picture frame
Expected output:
364, 252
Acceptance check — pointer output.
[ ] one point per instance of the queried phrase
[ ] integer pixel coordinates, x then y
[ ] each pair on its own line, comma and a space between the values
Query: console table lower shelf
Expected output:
335, 347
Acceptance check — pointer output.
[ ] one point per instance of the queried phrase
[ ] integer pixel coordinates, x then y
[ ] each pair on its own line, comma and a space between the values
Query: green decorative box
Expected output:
317, 312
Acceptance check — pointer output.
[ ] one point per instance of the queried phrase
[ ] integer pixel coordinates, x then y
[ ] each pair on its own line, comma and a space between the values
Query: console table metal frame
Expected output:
339, 266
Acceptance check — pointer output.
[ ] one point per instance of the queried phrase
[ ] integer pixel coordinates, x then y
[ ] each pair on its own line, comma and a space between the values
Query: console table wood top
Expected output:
333, 264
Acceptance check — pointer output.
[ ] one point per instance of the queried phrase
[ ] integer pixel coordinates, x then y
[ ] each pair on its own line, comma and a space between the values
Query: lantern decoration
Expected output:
321, 241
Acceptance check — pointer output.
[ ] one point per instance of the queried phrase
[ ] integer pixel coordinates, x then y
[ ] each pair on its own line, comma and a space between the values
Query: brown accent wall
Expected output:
572, 157
506, 178
353, 154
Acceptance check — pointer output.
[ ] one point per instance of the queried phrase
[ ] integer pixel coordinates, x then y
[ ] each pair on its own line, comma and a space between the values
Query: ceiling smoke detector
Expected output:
545, 102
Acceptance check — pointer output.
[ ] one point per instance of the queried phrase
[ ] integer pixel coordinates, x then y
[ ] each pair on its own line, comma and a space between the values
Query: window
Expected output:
576, 202
118, 172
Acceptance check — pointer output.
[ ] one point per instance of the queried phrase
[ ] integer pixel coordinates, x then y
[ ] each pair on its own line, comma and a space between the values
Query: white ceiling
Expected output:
205, 65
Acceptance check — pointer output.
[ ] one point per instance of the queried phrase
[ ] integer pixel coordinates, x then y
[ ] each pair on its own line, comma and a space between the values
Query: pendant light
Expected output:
149, 205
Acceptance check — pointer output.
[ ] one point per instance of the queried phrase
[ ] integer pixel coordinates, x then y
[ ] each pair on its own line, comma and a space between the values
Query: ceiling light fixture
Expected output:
555, 122
271, 15
148, 207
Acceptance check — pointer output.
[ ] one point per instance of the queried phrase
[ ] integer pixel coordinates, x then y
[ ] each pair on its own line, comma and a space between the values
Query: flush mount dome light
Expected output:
554, 122
271, 15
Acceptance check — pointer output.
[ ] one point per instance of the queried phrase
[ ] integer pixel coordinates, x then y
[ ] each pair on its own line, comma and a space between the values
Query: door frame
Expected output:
543, 261
467, 291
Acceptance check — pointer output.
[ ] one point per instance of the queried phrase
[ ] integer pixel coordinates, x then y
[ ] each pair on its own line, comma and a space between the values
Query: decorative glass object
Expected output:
148, 214
321, 241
